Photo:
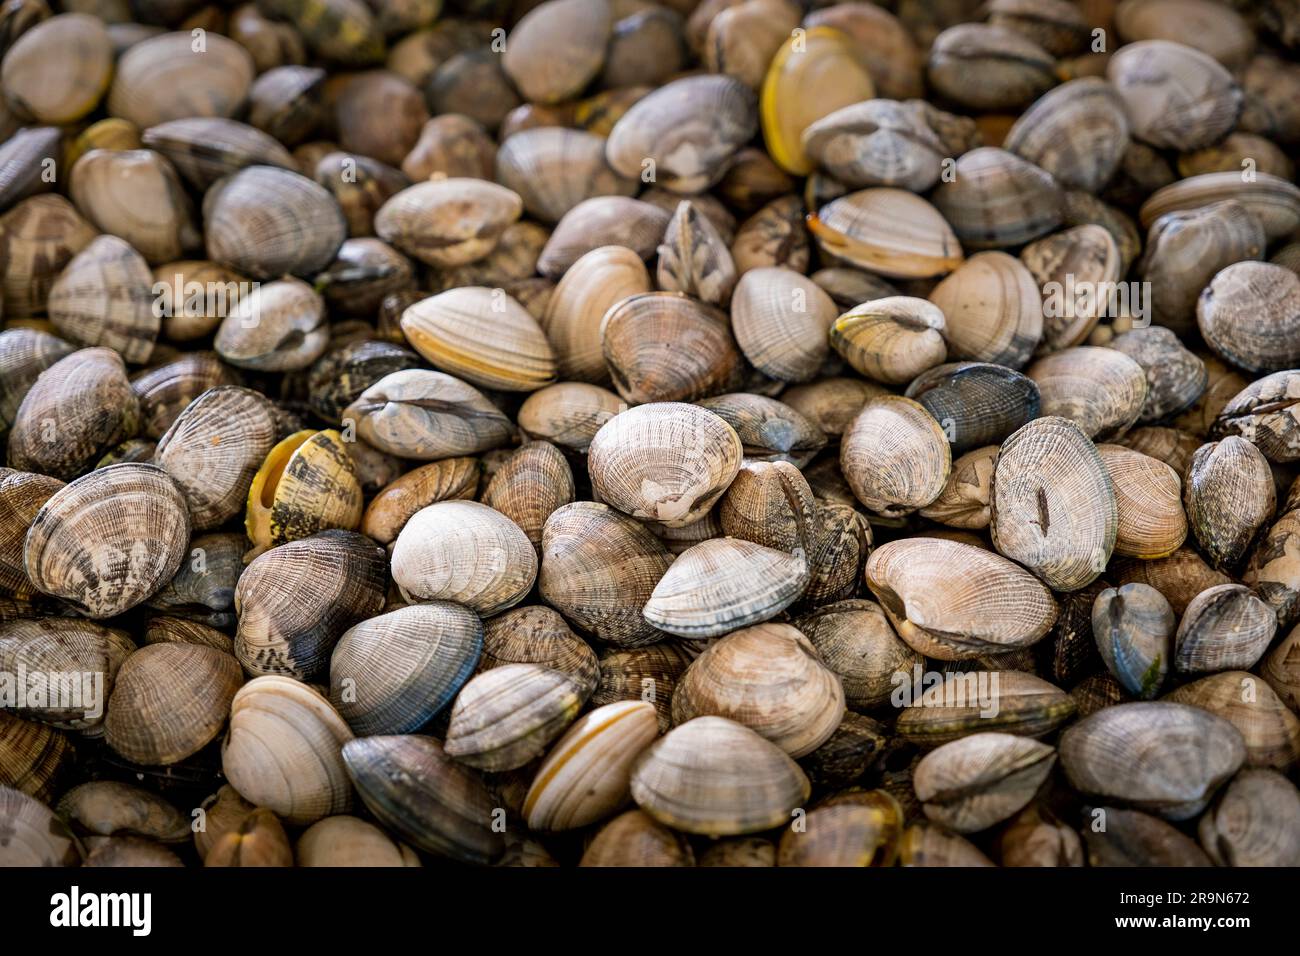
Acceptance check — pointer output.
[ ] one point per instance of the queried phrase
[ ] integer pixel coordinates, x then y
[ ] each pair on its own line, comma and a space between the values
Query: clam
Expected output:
552, 169
169, 701
395, 672
984, 67
768, 678
26, 158
769, 430
789, 104
35, 758
694, 259
284, 102
1235, 152
204, 149
350, 841
1214, 29
965, 499
1148, 498
538, 635
394, 505
636, 333
831, 404
448, 222
415, 790
557, 48
648, 673
585, 776
306, 484
276, 327
1164, 758
345, 32
769, 503
213, 451
743, 38
36, 837
38, 237
881, 143
506, 716
1133, 627
57, 71
1249, 314
180, 630
895, 456
666, 462
451, 145
128, 851
1229, 496
713, 776
952, 601
883, 42
533, 482
925, 844
891, 340
598, 222
993, 310
472, 82
270, 42
844, 834
85, 652
466, 552
483, 336
136, 195
773, 236
1224, 627
1253, 822
635, 838
739, 851
295, 601
359, 184
1173, 446
1079, 208
887, 231
1076, 132
568, 414
379, 114
108, 808
1011, 702
222, 812
1270, 729
1271, 570
975, 403
1280, 670
1101, 390
1120, 837
1264, 413
996, 199
109, 540
339, 376
1176, 97
22, 495
594, 283
1179, 577
193, 297
1275, 202
980, 780
24, 354
256, 840
1176, 378
283, 751
1072, 268
426, 415
780, 320
682, 134
166, 78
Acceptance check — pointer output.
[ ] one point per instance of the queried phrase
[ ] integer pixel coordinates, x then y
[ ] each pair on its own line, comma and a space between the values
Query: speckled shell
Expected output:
1250, 315
1148, 495
394, 505
976, 403
1229, 495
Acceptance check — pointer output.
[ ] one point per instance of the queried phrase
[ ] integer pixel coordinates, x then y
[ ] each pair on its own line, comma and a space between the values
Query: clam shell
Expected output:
538, 635
167, 390
392, 507
529, 486
21, 497
768, 678
694, 259
557, 48
277, 327
1077, 132
1130, 838
887, 231
395, 672
1275, 202
1164, 758
891, 340
993, 310
648, 673
350, 841
1101, 390
24, 354
1272, 571
855, 641
1250, 315
106, 807
1176, 378
466, 552
165, 78
38, 237
36, 836
1133, 627
585, 777
506, 716
1270, 729
1176, 97
169, 701
781, 319
552, 169
895, 456
1229, 495
568, 414
925, 844
1223, 628
588, 289
282, 751
965, 499
1253, 822
985, 67
1084, 257
769, 430
1012, 702
878, 143
773, 236
65, 646
713, 776
598, 222
203, 149
307, 484
953, 601
975, 403
996, 199
1148, 498
416, 791
634, 838
1264, 413
980, 780
256, 840
35, 758
771, 504
1179, 577
109, 540
103, 298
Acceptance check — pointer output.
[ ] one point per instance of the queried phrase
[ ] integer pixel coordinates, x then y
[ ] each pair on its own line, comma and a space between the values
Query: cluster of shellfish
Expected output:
633, 433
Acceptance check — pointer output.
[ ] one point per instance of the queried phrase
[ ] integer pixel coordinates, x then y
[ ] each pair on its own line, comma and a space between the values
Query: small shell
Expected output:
1084, 257
769, 430
1270, 729
996, 199
1275, 202
1101, 390
993, 310
650, 672
1224, 628
694, 259
1131, 838
90, 654
203, 149
552, 169
556, 49
1148, 497
1253, 822
984, 67
966, 498
165, 78
282, 751
106, 808
103, 298
38, 237
1133, 627
980, 780
508, 715
572, 320
1076, 132
773, 236
976, 403
953, 601
35, 759
1229, 496
879, 143
350, 841
634, 838
636, 335
1250, 315
598, 222
887, 231
716, 777
538, 635
1176, 97
895, 456
831, 403
307, 484
393, 506
925, 844
466, 552
36, 837
568, 414
891, 340
21, 496
970, 702
1264, 413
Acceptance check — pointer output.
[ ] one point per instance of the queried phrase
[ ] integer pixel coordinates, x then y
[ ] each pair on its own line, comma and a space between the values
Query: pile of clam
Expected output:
617, 432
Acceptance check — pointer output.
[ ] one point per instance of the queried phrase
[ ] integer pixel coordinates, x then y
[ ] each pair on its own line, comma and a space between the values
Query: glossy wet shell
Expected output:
282, 750
169, 701
891, 340
415, 790
953, 601
109, 540
895, 456
394, 505
1101, 390
1053, 504
887, 231
993, 310
716, 777
35, 759
466, 552
1163, 758
1148, 496
976, 403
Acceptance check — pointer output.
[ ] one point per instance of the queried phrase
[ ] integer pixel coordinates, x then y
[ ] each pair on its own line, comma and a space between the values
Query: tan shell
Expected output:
694, 259
887, 231
925, 844
552, 169
594, 283
742, 39
634, 838
993, 310
568, 414
106, 807
895, 456
448, 222
585, 776
1148, 495
1133, 627
426, 415
1101, 390
1176, 97
393, 506
169, 701
164, 78
1053, 504
880, 143
557, 48
984, 67
831, 403
35, 759
773, 236
780, 319
965, 703
103, 297
1229, 495
283, 750
136, 195
38, 237
277, 327
1224, 627
996, 199
466, 552
204, 149
1250, 315
1082, 257
1077, 132
530, 485
768, 678
854, 639
1253, 822
56, 71
109, 540
1270, 729
66, 646
602, 221
891, 340
975, 782
716, 777
1275, 202
506, 716
36, 836
167, 390
350, 841
954, 601
21, 496
538, 635
966, 498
